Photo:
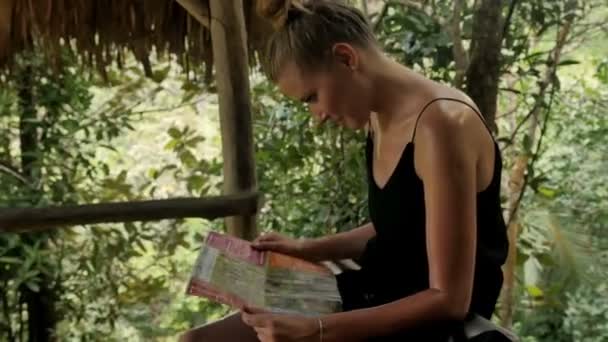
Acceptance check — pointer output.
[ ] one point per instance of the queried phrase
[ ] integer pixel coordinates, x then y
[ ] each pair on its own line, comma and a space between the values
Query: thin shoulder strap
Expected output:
450, 99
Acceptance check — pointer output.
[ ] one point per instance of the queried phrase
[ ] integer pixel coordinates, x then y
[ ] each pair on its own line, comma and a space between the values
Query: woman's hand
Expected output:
280, 327
279, 243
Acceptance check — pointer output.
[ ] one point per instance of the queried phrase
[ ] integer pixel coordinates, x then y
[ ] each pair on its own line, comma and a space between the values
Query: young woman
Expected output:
431, 256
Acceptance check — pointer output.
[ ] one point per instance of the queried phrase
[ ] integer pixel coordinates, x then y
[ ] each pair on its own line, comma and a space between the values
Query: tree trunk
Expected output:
518, 180
28, 129
483, 71
6, 16
41, 319
41, 304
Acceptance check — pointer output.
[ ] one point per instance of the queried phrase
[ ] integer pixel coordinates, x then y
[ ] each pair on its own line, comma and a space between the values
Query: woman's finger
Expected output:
264, 334
264, 237
256, 318
276, 246
268, 237
253, 310
252, 320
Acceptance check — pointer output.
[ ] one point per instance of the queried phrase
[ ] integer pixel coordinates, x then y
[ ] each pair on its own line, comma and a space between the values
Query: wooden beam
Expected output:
229, 41
37, 219
197, 9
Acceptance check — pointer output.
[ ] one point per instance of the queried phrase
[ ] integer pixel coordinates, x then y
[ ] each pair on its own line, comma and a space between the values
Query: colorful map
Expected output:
229, 271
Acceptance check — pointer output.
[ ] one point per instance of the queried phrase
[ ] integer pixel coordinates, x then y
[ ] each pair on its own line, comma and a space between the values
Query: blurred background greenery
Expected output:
71, 137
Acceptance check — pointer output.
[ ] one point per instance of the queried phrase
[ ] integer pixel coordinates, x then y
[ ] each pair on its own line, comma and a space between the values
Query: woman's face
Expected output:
339, 93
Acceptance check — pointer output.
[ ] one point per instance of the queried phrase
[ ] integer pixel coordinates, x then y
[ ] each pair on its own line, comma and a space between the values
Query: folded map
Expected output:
229, 271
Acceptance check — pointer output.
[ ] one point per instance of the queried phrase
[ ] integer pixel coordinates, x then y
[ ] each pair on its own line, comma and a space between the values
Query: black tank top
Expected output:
396, 261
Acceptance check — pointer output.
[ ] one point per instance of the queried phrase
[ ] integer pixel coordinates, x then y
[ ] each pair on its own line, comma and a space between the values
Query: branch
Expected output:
461, 58
520, 124
513, 210
505, 29
381, 15
549, 79
509, 112
22, 322
39, 219
198, 9
169, 109
586, 32
11, 171
365, 8
553, 62
7, 313
387, 4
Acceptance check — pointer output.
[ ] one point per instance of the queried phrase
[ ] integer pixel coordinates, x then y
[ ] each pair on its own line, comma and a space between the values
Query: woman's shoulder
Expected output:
451, 114
452, 129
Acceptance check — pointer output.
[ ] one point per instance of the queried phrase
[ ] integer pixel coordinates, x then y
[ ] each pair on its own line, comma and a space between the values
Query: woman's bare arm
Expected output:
346, 245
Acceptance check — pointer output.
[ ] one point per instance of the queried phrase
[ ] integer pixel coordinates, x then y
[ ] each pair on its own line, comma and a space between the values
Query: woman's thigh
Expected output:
230, 328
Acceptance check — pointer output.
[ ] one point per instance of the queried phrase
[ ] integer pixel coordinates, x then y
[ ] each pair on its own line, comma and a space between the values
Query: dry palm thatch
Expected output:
102, 31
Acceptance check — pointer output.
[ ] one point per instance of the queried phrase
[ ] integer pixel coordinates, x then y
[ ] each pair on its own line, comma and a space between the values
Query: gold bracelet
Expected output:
320, 330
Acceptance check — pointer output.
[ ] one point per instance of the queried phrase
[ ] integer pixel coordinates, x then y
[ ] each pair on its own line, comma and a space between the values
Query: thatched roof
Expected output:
102, 31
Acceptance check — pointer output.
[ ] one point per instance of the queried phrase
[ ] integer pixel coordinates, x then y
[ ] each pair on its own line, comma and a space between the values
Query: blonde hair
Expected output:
305, 32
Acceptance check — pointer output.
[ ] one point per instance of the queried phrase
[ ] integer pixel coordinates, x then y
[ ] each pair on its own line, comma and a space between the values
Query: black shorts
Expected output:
356, 292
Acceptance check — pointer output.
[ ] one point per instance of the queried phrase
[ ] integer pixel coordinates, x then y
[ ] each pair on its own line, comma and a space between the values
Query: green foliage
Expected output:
199, 174
96, 277
586, 317
313, 178
416, 39
126, 281
563, 243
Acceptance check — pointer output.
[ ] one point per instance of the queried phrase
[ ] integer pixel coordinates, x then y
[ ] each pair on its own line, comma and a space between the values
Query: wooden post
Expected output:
229, 41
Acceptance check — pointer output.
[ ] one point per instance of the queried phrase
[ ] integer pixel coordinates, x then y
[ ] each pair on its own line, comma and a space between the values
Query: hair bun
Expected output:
277, 11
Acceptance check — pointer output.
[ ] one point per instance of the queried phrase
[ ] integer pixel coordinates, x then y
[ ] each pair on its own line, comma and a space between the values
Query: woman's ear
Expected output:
346, 55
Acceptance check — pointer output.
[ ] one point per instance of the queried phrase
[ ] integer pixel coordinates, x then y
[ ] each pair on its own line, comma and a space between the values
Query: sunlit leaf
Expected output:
534, 291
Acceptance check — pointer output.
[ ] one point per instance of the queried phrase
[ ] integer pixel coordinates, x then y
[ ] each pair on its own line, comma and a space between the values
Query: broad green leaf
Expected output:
10, 260
196, 182
188, 159
32, 286
174, 133
547, 192
172, 144
568, 62
527, 144
534, 291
